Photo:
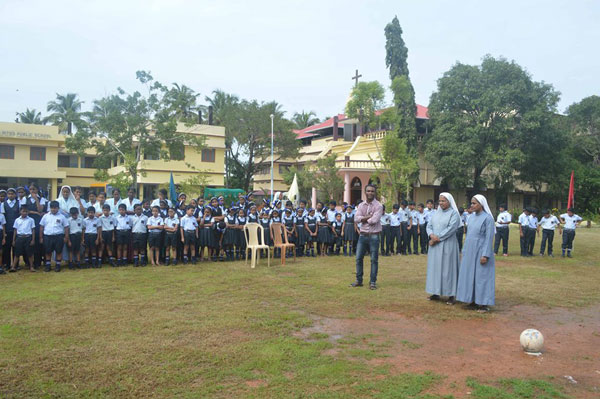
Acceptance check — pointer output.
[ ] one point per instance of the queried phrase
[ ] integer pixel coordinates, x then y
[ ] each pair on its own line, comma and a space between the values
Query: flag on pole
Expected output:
172, 191
571, 201
293, 192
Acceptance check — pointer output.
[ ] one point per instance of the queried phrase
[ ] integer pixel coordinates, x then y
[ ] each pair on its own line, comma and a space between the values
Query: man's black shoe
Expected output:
356, 284
372, 286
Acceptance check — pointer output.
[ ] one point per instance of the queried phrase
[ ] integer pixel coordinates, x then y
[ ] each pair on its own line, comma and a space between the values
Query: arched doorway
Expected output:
355, 191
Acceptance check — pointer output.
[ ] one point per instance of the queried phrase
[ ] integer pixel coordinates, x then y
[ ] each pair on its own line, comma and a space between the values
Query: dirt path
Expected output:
487, 348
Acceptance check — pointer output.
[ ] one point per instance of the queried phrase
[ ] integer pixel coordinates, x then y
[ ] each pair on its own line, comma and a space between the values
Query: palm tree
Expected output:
66, 112
221, 103
305, 119
181, 101
30, 116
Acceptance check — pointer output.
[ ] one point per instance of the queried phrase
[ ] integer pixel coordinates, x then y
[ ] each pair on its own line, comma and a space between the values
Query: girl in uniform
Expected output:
240, 233
230, 234
325, 234
289, 221
300, 232
207, 235
311, 226
348, 232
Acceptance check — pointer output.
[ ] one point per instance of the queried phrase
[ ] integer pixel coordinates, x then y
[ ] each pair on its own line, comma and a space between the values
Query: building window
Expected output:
67, 161
7, 152
37, 153
151, 157
87, 162
283, 169
208, 155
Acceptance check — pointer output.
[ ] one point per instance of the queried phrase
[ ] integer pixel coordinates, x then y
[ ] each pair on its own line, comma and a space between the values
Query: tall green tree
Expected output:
131, 127
181, 102
248, 125
31, 116
396, 53
66, 112
365, 99
584, 118
305, 119
483, 116
326, 179
398, 168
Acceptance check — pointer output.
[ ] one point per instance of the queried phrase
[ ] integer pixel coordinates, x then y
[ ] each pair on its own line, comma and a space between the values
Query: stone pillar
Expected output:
347, 187
363, 196
140, 191
53, 184
313, 198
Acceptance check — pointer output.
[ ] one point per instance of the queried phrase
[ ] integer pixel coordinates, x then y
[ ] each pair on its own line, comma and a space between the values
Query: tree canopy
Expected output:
365, 99
305, 119
396, 53
484, 116
31, 116
66, 112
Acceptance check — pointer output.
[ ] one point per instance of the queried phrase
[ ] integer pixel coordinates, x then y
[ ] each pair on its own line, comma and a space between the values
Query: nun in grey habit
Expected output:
476, 281
443, 255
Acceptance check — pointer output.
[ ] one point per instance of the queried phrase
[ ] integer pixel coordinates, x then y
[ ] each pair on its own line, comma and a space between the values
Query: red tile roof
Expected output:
308, 131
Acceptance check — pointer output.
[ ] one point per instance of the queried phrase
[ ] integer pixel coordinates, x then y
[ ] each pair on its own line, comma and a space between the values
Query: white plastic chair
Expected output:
254, 234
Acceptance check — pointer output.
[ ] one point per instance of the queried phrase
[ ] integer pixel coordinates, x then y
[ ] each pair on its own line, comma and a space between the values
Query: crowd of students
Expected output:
79, 233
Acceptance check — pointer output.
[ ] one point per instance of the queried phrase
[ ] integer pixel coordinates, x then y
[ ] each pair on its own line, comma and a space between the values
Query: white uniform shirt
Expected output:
91, 225
503, 217
524, 220
428, 214
123, 222
421, 217
75, 225
403, 215
549, 223
54, 224
108, 223
570, 221
24, 226
11, 203
114, 208
98, 207
171, 222
138, 223
189, 223
155, 221
156, 202
414, 214
2, 221
395, 218
130, 204
385, 219
533, 222
331, 215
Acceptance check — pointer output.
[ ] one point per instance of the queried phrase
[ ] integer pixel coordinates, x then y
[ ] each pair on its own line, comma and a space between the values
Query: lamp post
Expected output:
272, 118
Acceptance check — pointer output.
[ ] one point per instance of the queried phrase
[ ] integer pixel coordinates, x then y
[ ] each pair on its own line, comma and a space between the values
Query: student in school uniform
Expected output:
413, 229
502, 223
156, 226
533, 227
21, 196
146, 210
548, 224
3, 196
130, 202
139, 235
53, 228
75, 238
92, 236
395, 218
171, 241
10, 210
289, 223
337, 229
99, 204
349, 232
240, 222
2, 238
274, 218
460, 232
189, 235
230, 234
300, 232
571, 221
107, 236
67, 200
162, 196
405, 221
252, 214
81, 202
311, 226
207, 234
264, 221
386, 233
123, 233
114, 202
36, 205
524, 230
92, 201
23, 243
421, 217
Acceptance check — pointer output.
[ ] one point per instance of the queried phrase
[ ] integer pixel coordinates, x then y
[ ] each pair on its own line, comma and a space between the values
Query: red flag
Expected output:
571, 201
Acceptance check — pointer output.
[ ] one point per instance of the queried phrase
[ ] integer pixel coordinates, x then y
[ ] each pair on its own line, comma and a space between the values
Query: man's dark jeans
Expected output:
372, 241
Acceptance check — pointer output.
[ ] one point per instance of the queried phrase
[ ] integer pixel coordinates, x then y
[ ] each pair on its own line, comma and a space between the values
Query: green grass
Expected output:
225, 330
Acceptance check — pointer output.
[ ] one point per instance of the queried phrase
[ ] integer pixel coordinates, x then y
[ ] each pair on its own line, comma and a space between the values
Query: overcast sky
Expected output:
299, 53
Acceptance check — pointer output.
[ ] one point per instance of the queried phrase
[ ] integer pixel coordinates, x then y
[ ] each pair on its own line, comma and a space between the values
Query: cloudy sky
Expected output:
299, 53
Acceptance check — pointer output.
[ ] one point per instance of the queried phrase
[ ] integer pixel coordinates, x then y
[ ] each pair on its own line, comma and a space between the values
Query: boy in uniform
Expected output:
413, 229
524, 230
3, 240
571, 221
23, 241
108, 223
502, 222
92, 231
123, 227
155, 228
75, 237
53, 228
533, 228
10, 209
139, 234
422, 228
189, 234
396, 219
171, 227
548, 223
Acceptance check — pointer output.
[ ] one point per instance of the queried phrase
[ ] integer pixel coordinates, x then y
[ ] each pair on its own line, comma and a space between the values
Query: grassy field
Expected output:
225, 330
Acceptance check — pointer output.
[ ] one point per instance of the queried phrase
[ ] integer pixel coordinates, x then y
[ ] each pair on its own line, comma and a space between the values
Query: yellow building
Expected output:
357, 157
36, 153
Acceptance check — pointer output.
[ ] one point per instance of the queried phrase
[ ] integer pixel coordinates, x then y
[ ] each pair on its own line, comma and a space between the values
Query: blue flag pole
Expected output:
172, 191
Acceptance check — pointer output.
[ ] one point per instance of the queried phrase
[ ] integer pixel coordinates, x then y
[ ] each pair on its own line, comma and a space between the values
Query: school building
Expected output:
37, 153
357, 157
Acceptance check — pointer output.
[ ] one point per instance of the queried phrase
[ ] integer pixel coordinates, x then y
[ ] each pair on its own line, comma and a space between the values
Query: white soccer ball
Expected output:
532, 341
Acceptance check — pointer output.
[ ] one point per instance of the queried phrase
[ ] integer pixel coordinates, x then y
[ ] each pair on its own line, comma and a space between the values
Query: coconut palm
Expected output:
30, 116
181, 101
305, 119
221, 103
66, 112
